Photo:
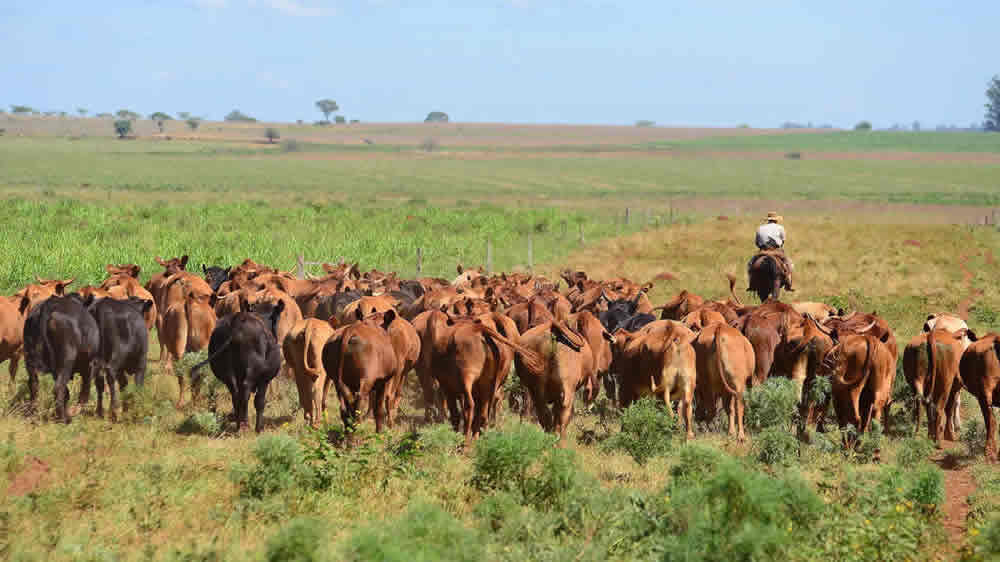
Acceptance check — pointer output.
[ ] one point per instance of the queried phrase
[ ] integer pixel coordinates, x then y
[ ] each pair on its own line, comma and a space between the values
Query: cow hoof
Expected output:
73, 411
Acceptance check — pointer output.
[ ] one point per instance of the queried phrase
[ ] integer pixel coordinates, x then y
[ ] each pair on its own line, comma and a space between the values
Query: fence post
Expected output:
420, 261
300, 267
489, 256
995, 223
564, 229
628, 215
531, 254
671, 212
581, 234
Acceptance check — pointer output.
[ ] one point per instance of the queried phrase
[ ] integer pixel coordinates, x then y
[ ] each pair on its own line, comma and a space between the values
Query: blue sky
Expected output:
711, 63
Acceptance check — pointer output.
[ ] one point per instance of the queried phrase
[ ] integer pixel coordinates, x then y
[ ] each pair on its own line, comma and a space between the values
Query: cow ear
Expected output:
184, 261
359, 314
23, 305
387, 318
135, 271
229, 270
840, 312
971, 335
885, 337
579, 285
459, 269
146, 305
927, 327
930, 317
160, 261
204, 269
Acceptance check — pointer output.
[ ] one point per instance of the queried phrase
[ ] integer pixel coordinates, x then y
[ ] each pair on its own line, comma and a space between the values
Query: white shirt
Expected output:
769, 235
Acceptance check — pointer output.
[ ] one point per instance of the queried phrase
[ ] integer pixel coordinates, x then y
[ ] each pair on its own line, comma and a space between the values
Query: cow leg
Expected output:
730, 404
86, 378
318, 399
113, 403
985, 403
688, 409
380, 406
305, 384
259, 402
61, 392
541, 410
740, 408
32, 385
609, 388
427, 389
467, 408
14, 359
955, 419
99, 383
952, 413
243, 411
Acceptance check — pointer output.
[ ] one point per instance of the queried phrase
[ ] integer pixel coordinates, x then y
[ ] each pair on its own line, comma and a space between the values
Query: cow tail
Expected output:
314, 370
196, 368
996, 346
43, 324
717, 348
531, 359
864, 369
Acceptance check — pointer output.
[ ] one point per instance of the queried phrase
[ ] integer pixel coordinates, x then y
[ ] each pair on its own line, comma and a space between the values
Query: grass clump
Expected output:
201, 423
280, 467
775, 446
299, 541
914, 450
974, 437
647, 430
503, 458
424, 532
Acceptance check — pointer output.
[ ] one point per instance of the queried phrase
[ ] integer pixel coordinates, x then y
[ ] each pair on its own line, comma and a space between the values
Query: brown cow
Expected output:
186, 326
725, 365
600, 341
552, 364
930, 365
980, 372
406, 344
681, 305
659, 360
861, 369
367, 306
303, 349
361, 361
818, 310
701, 318
12, 332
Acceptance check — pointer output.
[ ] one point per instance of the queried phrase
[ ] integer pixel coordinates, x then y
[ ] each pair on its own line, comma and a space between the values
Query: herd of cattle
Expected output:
364, 332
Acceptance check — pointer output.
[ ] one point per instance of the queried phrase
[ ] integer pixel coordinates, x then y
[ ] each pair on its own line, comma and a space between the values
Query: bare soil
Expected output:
29, 478
959, 484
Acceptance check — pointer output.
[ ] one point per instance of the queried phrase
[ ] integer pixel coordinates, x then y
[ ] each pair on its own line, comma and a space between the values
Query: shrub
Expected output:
201, 423
646, 432
280, 466
927, 486
439, 439
291, 145
237, 115
793, 155
556, 480
644, 123
863, 126
140, 404
502, 458
339, 119
986, 544
696, 462
914, 450
298, 541
424, 533
271, 134
869, 446
436, 117
193, 123
772, 404
776, 446
974, 437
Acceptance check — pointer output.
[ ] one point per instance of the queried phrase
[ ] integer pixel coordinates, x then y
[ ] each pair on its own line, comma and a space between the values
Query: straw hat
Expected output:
774, 217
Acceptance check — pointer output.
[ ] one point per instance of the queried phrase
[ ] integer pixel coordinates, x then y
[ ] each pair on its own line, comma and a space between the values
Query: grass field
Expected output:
171, 484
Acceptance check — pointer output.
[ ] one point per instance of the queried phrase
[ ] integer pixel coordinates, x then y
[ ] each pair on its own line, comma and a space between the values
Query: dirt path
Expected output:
958, 486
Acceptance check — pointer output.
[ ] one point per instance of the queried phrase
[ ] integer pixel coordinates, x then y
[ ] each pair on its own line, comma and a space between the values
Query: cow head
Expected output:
130, 270
173, 265
215, 276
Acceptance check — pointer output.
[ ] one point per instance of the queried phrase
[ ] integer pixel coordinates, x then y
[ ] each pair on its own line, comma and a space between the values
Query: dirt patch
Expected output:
665, 276
974, 293
911, 243
29, 478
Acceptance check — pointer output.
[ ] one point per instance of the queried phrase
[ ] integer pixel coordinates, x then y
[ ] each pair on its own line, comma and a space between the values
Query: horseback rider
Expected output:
771, 238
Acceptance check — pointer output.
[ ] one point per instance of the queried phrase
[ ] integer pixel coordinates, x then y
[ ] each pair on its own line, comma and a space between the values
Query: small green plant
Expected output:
280, 466
424, 533
914, 450
647, 430
974, 437
776, 446
772, 404
200, 423
10, 456
502, 458
863, 126
696, 462
927, 486
299, 541
869, 446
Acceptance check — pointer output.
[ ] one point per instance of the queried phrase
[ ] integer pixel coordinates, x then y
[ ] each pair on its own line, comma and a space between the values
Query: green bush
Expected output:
10, 456
555, 481
141, 404
439, 439
424, 532
776, 446
280, 466
299, 541
123, 127
201, 423
927, 486
986, 542
772, 404
502, 458
914, 450
696, 462
647, 430
869, 445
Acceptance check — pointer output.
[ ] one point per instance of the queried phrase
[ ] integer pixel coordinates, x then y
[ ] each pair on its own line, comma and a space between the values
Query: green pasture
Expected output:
849, 141
160, 171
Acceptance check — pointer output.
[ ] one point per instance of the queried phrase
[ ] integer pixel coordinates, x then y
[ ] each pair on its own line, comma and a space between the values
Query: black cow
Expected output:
618, 312
245, 356
62, 338
635, 322
331, 306
124, 342
215, 276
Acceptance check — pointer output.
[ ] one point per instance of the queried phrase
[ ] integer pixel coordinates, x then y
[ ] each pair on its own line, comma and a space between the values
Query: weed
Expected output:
647, 430
201, 423
772, 404
776, 446
974, 436
280, 467
423, 533
502, 458
914, 450
300, 540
